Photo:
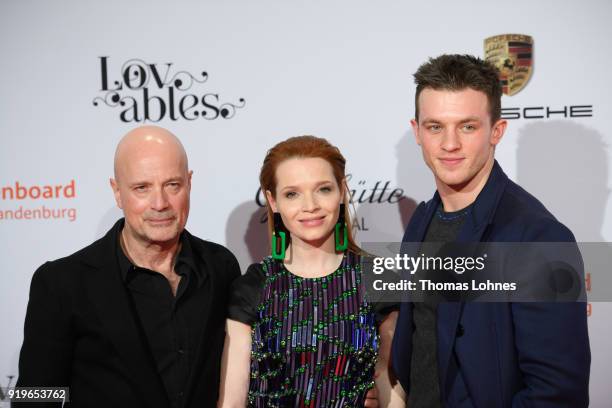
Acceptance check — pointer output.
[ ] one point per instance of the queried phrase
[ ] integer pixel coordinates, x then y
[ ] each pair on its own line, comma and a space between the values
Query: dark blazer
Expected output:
509, 354
81, 330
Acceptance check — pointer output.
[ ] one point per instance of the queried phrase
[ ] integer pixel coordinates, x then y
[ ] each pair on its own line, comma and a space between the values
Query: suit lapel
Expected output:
208, 283
416, 233
412, 242
113, 304
449, 313
473, 230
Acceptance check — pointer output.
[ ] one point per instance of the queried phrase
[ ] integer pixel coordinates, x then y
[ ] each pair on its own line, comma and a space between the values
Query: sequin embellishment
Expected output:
315, 340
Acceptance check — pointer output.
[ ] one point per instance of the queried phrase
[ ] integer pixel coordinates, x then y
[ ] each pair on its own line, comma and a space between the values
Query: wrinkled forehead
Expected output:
150, 162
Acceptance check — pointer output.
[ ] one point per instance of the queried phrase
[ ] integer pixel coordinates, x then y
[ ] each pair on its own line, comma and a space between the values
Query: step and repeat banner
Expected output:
233, 78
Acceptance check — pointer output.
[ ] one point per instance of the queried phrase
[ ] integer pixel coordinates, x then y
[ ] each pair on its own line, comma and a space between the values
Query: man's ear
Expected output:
271, 201
116, 192
415, 131
189, 179
499, 128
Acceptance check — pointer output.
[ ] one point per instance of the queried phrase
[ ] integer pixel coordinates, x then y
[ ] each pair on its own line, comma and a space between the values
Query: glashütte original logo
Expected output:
153, 92
512, 54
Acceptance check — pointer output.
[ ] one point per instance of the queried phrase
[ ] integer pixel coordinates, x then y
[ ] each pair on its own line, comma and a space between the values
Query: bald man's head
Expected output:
147, 138
152, 185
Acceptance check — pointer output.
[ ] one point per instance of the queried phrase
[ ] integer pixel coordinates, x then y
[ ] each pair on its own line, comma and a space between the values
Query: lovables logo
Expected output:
151, 92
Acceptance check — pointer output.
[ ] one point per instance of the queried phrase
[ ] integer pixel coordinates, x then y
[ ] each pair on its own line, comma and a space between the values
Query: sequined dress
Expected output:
314, 340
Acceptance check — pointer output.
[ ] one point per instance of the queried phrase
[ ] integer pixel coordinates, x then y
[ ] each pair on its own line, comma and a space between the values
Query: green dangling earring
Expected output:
341, 241
278, 254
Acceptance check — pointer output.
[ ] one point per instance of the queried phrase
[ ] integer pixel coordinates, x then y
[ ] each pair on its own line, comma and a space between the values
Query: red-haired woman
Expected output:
301, 332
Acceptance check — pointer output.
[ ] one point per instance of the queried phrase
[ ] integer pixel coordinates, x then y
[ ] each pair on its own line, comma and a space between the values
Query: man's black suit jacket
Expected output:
82, 331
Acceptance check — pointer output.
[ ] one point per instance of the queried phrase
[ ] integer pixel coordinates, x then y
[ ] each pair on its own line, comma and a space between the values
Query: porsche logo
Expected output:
512, 54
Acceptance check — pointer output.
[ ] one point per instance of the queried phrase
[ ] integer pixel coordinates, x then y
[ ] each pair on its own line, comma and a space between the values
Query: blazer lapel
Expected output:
208, 284
416, 233
473, 230
449, 313
114, 306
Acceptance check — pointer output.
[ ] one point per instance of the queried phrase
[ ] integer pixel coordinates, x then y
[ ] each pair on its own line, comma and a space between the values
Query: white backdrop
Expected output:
337, 69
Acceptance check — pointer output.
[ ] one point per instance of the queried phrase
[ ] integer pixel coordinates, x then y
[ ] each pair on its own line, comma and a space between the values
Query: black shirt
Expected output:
168, 322
424, 384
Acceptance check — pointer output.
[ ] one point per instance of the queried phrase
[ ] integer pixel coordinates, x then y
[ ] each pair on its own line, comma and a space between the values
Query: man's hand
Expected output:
371, 400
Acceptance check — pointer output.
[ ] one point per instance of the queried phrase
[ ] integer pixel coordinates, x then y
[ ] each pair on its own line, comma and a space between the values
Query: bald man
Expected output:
135, 319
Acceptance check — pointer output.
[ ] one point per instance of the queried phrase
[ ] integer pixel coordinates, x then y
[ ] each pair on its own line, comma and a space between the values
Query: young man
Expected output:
459, 354
135, 319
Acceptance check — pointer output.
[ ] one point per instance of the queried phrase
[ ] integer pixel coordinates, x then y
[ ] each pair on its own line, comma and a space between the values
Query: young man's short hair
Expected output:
454, 72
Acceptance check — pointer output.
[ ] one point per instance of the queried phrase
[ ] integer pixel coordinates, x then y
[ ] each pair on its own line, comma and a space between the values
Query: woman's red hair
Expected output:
306, 147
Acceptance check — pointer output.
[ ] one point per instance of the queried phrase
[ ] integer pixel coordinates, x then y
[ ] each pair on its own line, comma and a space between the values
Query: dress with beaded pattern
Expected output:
314, 340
